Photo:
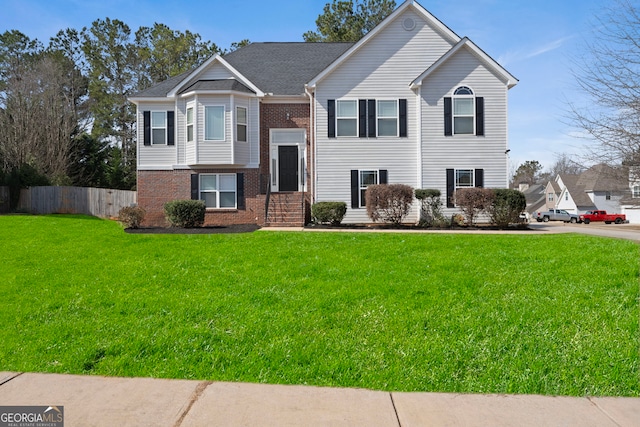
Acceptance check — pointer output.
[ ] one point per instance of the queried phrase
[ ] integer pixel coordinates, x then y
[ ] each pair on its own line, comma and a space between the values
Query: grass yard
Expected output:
541, 314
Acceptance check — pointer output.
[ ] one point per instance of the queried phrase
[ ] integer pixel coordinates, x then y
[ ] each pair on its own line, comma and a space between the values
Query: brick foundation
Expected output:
155, 188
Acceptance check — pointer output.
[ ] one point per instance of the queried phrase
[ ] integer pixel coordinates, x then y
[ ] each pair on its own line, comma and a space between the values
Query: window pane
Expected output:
463, 106
387, 109
208, 182
347, 127
241, 115
464, 178
368, 178
209, 199
227, 200
190, 133
463, 90
347, 109
214, 123
189, 116
363, 197
227, 183
387, 127
463, 125
158, 136
242, 133
158, 119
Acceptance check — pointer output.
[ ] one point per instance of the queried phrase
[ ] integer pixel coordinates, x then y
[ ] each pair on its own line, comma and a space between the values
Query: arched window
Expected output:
463, 111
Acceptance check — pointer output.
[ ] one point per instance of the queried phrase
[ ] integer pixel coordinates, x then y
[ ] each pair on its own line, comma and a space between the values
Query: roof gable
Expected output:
466, 43
431, 20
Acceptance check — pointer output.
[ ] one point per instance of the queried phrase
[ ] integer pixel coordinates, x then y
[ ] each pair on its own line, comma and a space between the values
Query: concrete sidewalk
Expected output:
105, 401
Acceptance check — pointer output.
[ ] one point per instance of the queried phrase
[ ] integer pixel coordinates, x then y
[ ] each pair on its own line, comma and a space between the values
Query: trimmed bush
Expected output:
131, 216
185, 213
473, 201
388, 202
430, 207
506, 207
328, 212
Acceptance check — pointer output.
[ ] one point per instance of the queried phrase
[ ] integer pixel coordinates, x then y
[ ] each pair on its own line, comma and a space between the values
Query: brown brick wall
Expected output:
155, 188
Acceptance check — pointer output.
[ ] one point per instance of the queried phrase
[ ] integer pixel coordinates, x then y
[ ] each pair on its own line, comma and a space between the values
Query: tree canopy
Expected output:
348, 20
64, 110
608, 73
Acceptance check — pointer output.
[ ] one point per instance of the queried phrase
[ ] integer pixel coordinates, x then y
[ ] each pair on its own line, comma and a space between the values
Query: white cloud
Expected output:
519, 55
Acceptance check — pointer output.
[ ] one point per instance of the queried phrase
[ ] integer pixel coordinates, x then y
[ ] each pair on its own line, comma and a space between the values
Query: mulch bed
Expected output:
249, 228
227, 229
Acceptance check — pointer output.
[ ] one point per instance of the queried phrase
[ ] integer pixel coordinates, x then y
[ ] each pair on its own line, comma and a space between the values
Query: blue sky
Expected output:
533, 40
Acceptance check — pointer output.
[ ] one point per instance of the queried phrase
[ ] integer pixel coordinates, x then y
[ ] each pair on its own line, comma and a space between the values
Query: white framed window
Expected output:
218, 190
464, 178
158, 127
550, 197
387, 113
463, 111
367, 178
241, 124
189, 121
635, 191
214, 123
347, 118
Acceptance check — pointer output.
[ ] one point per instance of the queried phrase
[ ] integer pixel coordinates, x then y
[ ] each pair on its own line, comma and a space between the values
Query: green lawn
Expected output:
553, 315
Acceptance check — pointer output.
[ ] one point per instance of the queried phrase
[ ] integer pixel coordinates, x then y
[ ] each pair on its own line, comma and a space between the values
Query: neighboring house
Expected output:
599, 187
263, 132
573, 197
630, 202
535, 197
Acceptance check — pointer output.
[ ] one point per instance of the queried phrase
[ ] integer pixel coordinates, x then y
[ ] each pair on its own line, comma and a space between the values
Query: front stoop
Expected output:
286, 210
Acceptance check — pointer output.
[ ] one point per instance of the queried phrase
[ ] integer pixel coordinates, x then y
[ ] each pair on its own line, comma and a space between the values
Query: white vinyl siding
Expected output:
469, 151
158, 156
382, 70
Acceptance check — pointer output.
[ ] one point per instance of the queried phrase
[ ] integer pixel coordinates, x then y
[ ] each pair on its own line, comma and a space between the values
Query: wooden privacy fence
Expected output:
4, 200
101, 202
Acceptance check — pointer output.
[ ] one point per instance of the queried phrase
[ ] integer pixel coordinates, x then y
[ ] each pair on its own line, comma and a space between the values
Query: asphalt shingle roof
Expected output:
229, 84
276, 68
284, 68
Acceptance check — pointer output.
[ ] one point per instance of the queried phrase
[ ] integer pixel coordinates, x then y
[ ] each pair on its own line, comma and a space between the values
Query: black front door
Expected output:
288, 168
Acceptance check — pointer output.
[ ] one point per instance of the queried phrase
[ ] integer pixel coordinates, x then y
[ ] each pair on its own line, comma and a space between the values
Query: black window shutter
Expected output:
362, 118
402, 110
146, 123
195, 186
331, 110
448, 117
451, 187
170, 128
479, 177
371, 117
383, 178
480, 116
240, 191
355, 189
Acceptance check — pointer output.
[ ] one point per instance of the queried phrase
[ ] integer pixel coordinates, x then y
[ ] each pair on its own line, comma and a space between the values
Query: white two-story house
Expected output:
262, 133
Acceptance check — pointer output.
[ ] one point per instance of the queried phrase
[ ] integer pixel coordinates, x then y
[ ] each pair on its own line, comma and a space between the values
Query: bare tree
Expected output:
608, 73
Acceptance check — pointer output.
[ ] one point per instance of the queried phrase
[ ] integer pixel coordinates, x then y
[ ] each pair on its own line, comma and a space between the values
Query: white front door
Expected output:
287, 166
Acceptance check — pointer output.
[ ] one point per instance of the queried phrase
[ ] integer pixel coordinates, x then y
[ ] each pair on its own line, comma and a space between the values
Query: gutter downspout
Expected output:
312, 149
419, 140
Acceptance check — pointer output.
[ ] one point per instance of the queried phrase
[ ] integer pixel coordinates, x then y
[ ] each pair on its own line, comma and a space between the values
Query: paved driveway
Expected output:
618, 231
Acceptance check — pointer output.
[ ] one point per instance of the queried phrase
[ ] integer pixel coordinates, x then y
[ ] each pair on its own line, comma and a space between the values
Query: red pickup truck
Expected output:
593, 216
